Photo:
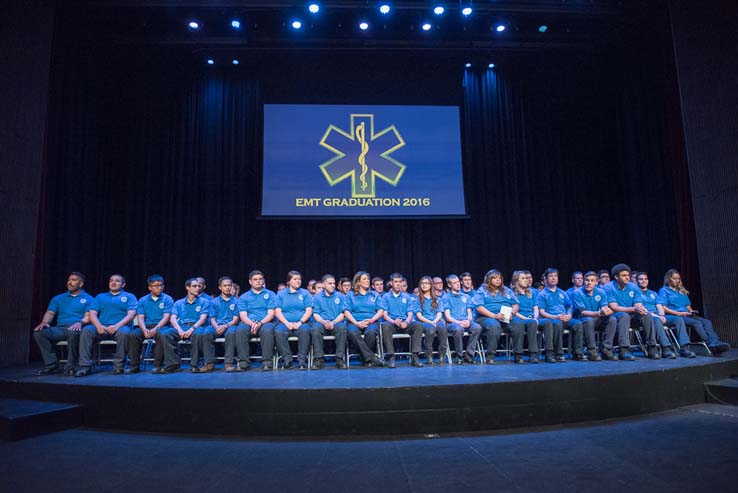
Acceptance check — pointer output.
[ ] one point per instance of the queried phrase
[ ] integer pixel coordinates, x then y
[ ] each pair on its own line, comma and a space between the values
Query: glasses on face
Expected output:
156, 285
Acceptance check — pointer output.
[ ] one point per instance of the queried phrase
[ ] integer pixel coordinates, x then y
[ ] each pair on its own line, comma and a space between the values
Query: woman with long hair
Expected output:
527, 314
489, 299
429, 312
678, 304
364, 310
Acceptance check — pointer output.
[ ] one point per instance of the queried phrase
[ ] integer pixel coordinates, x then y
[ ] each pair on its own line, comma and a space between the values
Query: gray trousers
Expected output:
590, 324
366, 345
414, 328
440, 331
48, 337
135, 341
281, 335
457, 332
89, 337
166, 341
621, 326
243, 342
203, 340
339, 331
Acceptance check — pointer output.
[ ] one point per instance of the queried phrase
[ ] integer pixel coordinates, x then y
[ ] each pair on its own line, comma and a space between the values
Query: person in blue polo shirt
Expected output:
110, 315
556, 313
397, 317
224, 320
527, 313
328, 312
622, 299
489, 299
256, 310
458, 310
293, 310
152, 312
577, 281
203, 291
429, 313
364, 309
70, 310
678, 304
591, 308
189, 315
654, 304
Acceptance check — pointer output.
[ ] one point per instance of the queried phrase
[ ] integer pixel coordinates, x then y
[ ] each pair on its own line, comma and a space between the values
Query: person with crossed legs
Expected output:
654, 305
364, 309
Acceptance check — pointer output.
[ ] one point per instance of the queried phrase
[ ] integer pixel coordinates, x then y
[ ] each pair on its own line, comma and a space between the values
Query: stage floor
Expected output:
376, 401
367, 378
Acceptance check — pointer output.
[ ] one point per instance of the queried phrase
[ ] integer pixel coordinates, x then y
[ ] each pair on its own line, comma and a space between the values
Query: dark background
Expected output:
574, 157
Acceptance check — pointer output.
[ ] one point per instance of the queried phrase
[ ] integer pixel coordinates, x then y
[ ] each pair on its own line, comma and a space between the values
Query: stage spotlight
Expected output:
426, 26
236, 24
467, 65
384, 9
543, 28
211, 61
466, 11
500, 28
491, 65
193, 25
439, 10
296, 24
363, 26
314, 8
234, 62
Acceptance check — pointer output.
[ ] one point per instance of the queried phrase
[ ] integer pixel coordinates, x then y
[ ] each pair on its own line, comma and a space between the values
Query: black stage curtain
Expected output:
154, 166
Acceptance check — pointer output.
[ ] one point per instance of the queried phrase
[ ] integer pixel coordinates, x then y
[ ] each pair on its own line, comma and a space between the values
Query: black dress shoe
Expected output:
579, 357
267, 367
468, 358
560, 358
118, 371
458, 361
133, 369
720, 348
158, 370
667, 353
391, 363
593, 356
376, 362
318, 364
245, 367
490, 360
519, 359
533, 359
550, 358
50, 370
686, 353
83, 372
70, 372
429, 359
302, 365
341, 364
171, 369
415, 361
194, 369
653, 353
607, 354
626, 355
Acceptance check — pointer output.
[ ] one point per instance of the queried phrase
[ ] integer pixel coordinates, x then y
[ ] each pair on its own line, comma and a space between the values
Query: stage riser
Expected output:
381, 411
723, 391
24, 419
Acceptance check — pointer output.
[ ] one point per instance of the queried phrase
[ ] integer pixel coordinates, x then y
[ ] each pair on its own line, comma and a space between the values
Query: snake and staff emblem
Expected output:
362, 156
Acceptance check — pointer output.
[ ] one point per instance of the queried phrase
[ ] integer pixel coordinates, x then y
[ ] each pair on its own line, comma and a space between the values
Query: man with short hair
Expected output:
203, 293
152, 312
70, 310
224, 320
256, 311
344, 285
438, 287
189, 315
577, 281
378, 285
110, 316
555, 310
591, 308
398, 317
654, 305
603, 278
458, 310
328, 307
467, 284
621, 298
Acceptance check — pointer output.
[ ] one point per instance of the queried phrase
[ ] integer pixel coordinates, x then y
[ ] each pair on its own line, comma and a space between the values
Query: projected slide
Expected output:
357, 161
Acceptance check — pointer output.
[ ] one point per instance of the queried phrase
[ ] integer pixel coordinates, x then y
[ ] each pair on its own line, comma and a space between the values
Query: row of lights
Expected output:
384, 9
211, 61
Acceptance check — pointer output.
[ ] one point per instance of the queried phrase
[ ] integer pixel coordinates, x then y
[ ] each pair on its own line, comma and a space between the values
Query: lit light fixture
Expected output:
236, 24
491, 65
313, 8
543, 28
211, 61
500, 28
384, 9
297, 24
466, 10
468, 65
193, 25
426, 26
439, 10
363, 25
234, 62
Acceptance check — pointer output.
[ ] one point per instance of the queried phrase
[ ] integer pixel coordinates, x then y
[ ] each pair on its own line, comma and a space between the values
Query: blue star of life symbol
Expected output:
362, 155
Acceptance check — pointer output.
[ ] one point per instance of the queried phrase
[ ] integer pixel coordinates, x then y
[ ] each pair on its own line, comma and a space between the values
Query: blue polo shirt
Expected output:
527, 302
153, 309
329, 307
554, 302
590, 302
256, 305
625, 297
70, 308
674, 300
397, 306
649, 299
189, 313
494, 302
364, 306
293, 305
427, 309
111, 308
223, 310
206, 296
457, 304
